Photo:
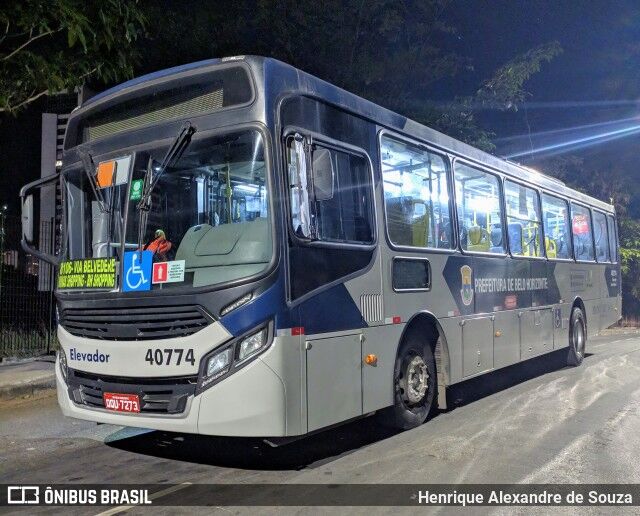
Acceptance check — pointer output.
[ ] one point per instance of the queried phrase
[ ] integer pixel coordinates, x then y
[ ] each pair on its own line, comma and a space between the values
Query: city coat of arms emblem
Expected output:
467, 286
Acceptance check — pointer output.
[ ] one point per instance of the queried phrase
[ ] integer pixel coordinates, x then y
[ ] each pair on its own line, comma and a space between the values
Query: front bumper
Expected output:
249, 403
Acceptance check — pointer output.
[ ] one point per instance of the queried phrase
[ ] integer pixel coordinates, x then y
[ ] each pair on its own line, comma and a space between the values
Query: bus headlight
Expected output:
231, 357
62, 360
219, 363
252, 345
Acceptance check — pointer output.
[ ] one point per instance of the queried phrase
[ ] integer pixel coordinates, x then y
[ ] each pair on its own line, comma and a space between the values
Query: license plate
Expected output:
121, 402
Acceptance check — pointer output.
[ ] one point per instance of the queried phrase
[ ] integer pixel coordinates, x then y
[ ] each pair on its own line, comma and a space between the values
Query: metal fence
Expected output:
27, 305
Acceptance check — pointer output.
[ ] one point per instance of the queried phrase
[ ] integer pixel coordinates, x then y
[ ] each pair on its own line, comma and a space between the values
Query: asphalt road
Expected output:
537, 422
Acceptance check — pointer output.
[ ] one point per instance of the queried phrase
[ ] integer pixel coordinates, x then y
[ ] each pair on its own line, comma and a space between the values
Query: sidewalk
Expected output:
23, 379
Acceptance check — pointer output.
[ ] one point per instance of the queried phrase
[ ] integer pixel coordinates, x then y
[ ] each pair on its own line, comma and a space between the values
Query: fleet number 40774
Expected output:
170, 356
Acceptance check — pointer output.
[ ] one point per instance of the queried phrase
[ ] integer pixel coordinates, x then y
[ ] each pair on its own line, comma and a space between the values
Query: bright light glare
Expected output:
483, 204
579, 142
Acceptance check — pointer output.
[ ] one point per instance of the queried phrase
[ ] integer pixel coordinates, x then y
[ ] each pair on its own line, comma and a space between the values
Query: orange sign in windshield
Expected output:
106, 174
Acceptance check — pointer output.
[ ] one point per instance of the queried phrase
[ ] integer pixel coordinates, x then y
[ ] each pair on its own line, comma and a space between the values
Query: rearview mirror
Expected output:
299, 186
38, 218
27, 219
323, 173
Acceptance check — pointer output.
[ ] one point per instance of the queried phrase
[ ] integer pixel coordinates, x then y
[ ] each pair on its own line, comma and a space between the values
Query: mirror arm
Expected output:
24, 193
53, 260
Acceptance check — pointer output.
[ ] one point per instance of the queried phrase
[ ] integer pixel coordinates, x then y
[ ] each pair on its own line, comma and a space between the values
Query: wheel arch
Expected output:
422, 323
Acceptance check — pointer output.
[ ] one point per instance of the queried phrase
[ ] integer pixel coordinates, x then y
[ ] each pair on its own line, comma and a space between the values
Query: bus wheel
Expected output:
415, 385
577, 338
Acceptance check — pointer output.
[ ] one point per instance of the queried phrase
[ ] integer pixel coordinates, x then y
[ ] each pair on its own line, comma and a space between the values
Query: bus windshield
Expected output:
208, 213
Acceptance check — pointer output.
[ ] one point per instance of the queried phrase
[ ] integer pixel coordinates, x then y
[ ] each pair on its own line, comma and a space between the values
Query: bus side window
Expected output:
478, 208
601, 237
523, 220
556, 227
416, 195
613, 240
582, 231
331, 200
344, 211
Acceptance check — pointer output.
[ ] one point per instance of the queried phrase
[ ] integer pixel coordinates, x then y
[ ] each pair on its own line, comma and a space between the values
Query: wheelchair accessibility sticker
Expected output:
137, 271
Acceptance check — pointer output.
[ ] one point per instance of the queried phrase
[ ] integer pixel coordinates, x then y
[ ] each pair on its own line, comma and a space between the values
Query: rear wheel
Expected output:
415, 386
577, 338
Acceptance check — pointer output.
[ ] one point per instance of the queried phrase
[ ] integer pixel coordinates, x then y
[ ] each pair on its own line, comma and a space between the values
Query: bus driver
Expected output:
160, 246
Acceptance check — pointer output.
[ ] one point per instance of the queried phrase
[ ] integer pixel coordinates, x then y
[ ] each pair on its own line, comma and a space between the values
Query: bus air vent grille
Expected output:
371, 307
157, 395
135, 323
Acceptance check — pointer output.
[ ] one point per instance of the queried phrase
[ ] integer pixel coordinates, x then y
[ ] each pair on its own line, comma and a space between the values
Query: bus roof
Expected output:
150, 77
311, 85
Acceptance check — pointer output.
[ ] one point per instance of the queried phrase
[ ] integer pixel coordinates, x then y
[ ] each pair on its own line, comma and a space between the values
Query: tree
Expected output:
48, 46
389, 51
606, 183
504, 91
396, 53
610, 185
629, 230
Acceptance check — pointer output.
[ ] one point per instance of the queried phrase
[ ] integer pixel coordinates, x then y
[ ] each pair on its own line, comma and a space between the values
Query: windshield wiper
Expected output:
89, 170
174, 153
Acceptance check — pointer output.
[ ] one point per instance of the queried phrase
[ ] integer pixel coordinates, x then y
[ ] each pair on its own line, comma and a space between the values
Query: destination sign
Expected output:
87, 274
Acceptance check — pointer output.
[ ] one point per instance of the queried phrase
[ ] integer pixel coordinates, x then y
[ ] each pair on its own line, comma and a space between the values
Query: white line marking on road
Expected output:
153, 496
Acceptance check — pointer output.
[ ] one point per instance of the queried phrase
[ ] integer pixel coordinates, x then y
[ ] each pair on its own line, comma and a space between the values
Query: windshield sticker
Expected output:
135, 193
113, 172
137, 271
168, 272
85, 274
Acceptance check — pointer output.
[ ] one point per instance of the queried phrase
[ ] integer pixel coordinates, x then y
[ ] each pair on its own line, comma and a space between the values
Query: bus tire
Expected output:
415, 386
577, 338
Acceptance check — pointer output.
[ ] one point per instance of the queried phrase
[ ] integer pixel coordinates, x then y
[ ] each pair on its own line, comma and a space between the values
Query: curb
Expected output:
28, 389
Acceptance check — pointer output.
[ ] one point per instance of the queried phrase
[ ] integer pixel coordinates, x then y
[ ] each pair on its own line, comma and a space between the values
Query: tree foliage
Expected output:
48, 46
610, 185
394, 52
397, 53
387, 50
505, 90
629, 230
606, 183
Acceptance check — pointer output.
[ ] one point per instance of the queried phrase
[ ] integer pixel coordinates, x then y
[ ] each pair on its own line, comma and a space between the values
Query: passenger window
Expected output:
416, 195
523, 220
478, 208
582, 233
601, 237
613, 241
557, 239
340, 200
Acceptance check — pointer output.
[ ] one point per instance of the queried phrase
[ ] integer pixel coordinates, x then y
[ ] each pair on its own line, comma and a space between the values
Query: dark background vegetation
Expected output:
555, 84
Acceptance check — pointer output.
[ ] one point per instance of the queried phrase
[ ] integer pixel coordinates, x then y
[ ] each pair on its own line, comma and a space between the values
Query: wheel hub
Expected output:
578, 338
415, 382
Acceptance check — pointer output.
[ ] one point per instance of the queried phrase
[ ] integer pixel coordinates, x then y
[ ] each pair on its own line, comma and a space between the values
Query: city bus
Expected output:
248, 250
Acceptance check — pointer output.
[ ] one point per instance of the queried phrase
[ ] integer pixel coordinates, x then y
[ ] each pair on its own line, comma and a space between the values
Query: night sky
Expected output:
596, 79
